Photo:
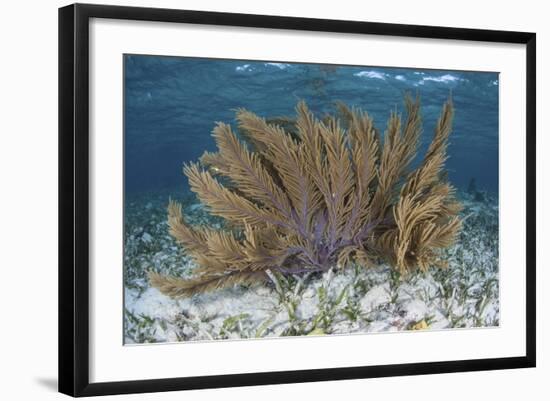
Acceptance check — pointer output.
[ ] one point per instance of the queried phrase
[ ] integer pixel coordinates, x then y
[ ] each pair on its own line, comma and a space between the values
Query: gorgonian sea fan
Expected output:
314, 195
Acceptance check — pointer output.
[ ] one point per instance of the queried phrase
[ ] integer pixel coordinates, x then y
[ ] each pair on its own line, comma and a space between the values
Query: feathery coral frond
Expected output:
425, 214
247, 173
287, 157
176, 287
398, 151
227, 204
192, 240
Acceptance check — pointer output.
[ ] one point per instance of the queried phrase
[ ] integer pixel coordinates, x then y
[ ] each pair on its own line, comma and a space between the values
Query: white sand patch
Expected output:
376, 297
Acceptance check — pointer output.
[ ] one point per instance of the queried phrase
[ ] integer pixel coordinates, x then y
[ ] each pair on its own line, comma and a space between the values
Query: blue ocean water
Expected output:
172, 104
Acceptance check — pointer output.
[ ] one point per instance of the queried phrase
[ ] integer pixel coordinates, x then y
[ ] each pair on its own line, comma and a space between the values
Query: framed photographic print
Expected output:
250, 199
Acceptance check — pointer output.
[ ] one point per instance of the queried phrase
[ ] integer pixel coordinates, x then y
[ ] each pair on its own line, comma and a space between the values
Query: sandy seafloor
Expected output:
351, 300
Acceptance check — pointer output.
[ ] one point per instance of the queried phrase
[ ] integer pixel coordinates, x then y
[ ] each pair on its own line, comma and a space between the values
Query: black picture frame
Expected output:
74, 198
